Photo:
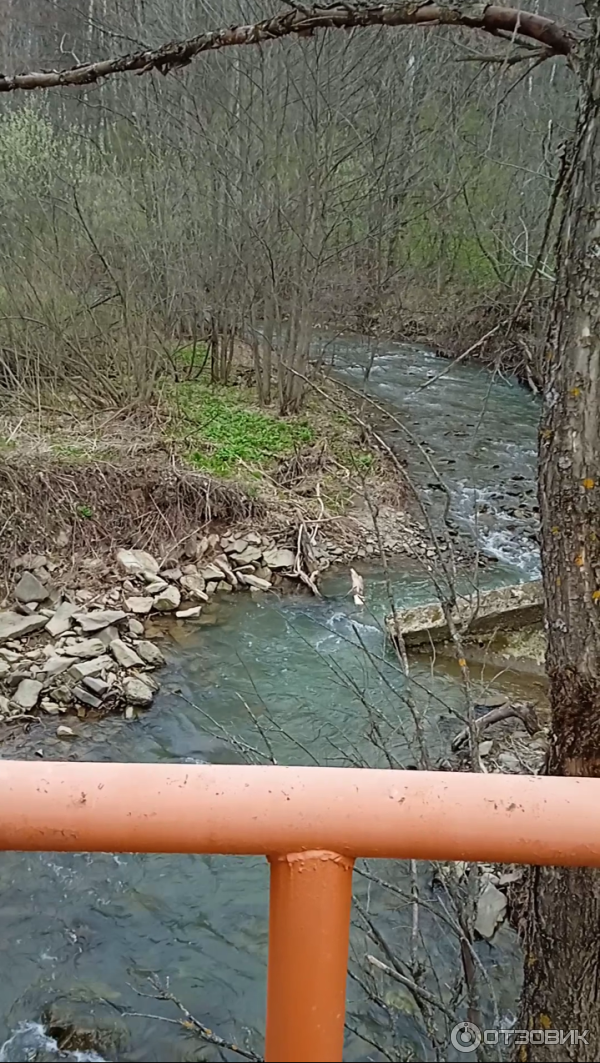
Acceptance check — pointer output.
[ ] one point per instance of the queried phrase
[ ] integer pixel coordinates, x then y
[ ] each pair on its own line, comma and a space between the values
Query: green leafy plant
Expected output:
229, 434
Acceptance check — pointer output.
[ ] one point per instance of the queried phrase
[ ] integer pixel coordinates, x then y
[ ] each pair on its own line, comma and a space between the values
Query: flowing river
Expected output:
81, 934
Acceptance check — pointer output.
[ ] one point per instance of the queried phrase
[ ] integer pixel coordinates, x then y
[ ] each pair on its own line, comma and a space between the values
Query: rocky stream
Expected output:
232, 677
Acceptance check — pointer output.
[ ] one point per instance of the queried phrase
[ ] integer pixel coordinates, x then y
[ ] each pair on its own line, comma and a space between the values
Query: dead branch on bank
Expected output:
524, 711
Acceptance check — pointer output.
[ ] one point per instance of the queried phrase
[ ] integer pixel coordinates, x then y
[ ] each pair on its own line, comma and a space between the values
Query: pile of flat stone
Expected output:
249, 563
63, 652
80, 661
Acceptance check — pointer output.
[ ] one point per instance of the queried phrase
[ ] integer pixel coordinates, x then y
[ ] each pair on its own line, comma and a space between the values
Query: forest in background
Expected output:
377, 180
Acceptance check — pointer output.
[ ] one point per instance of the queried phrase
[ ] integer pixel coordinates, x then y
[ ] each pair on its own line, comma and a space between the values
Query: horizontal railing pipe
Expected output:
242, 809
311, 823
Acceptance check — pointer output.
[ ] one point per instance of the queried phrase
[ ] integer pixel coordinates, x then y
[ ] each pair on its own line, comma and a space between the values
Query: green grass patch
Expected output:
193, 357
223, 432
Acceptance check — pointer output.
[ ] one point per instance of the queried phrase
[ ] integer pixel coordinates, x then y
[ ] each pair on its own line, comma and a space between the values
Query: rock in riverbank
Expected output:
78, 649
501, 610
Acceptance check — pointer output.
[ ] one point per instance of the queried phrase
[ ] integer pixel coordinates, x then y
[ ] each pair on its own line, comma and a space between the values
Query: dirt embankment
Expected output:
83, 484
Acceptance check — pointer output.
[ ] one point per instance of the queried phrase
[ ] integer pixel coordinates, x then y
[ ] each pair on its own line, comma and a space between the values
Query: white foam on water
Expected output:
31, 1042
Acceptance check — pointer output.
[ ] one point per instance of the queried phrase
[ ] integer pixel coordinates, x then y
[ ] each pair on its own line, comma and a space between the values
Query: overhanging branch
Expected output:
304, 21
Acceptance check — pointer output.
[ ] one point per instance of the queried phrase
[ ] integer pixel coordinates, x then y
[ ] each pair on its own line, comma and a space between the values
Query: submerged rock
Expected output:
62, 731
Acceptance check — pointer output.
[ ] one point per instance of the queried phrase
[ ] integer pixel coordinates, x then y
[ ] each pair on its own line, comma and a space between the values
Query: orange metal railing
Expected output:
311, 823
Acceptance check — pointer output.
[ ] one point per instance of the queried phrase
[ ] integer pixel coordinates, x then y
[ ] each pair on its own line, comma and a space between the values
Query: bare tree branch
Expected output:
303, 21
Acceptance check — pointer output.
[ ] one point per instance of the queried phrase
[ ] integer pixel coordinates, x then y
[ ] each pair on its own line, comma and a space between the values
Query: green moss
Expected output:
223, 433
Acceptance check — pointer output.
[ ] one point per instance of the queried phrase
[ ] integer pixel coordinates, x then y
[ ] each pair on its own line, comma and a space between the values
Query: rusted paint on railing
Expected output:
311, 823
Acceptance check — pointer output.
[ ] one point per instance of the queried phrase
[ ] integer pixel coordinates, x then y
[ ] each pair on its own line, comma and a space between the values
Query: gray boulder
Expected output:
93, 667
84, 648
194, 587
56, 665
137, 563
61, 621
150, 653
246, 556
27, 693
279, 557
98, 619
168, 600
30, 589
255, 582
125, 655
141, 605
15, 625
211, 572
137, 692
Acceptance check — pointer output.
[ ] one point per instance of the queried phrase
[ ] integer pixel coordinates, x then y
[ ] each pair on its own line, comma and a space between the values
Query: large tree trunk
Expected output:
562, 935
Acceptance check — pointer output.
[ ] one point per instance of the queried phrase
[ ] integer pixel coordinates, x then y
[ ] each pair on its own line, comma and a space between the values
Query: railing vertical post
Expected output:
309, 928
